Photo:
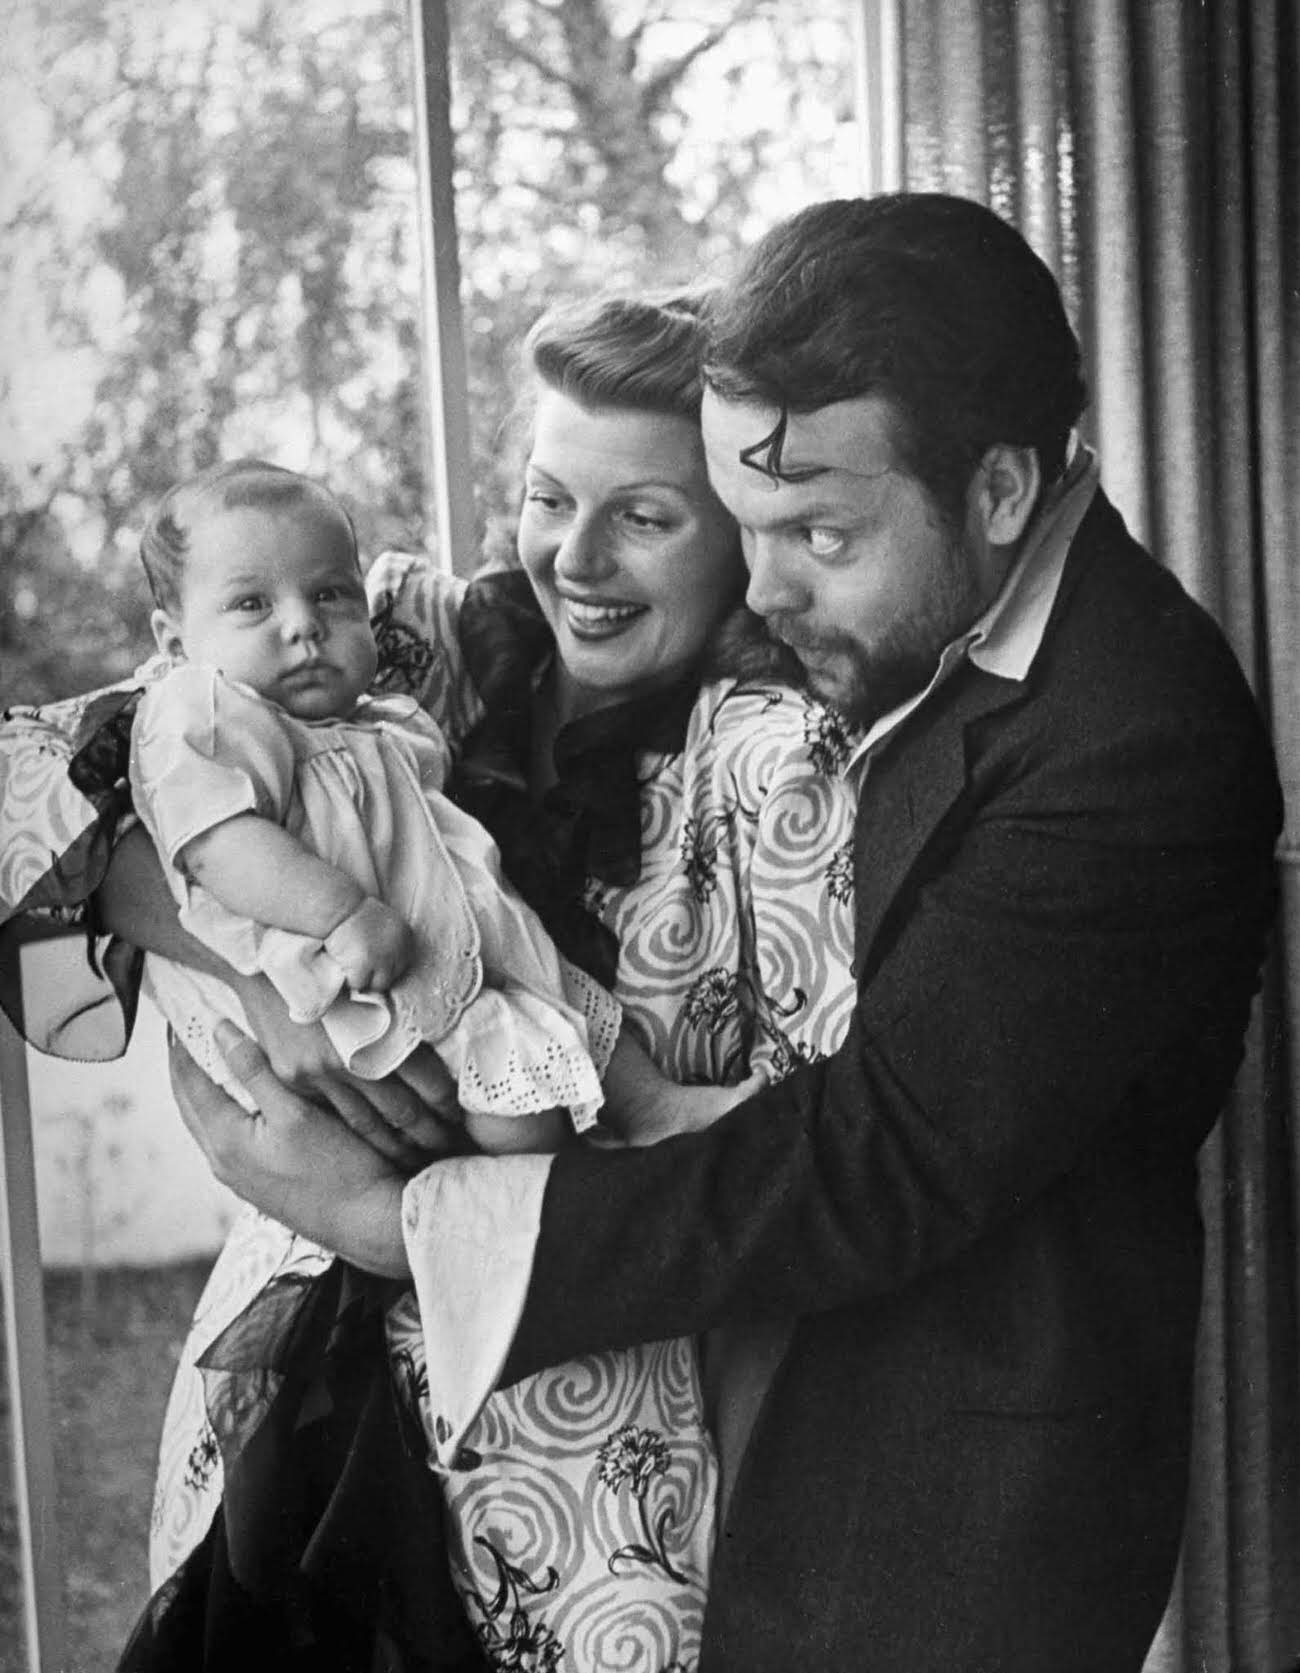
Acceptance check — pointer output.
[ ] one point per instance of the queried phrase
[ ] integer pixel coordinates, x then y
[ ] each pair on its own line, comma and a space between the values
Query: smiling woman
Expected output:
684, 840
632, 557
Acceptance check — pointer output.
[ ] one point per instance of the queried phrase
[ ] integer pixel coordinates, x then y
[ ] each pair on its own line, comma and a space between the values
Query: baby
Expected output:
305, 835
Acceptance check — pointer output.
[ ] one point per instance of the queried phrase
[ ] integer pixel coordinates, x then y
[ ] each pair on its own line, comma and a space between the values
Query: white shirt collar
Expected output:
1006, 638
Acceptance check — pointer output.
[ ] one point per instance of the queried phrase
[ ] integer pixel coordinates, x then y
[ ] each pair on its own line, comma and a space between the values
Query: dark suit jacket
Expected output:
983, 1207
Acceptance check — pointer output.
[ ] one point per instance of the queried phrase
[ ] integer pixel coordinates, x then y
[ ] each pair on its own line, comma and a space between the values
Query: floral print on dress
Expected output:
405, 658
202, 1462
590, 1514
634, 1457
839, 874
713, 999
699, 850
510, 1639
828, 738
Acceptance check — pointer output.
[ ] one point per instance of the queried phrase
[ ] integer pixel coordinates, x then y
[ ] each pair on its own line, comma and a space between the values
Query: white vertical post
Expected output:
878, 92
444, 340
24, 1309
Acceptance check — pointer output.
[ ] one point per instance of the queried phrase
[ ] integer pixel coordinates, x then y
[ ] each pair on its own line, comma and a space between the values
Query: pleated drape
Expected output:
1150, 150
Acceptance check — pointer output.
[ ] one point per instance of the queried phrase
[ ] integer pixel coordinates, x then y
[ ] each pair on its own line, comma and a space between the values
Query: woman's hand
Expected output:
687, 1109
407, 1117
293, 1159
643, 1106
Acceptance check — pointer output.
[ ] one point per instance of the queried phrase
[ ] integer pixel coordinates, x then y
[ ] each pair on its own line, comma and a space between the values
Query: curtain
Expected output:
1150, 151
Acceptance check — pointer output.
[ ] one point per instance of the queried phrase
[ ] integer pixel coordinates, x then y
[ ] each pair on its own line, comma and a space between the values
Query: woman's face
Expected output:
631, 555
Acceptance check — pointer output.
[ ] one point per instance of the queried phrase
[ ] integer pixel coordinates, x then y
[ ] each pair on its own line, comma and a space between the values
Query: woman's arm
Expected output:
136, 905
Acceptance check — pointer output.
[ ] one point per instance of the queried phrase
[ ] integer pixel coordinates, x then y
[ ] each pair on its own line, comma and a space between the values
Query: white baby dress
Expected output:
520, 1028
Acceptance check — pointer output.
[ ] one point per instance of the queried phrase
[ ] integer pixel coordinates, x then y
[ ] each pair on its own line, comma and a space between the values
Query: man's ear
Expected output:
167, 635
1008, 481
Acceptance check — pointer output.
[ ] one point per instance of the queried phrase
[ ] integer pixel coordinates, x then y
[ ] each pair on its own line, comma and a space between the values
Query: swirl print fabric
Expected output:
581, 1530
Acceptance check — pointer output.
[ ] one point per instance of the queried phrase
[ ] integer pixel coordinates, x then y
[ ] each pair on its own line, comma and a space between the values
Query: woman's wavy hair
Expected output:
930, 301
634, 352
237, 484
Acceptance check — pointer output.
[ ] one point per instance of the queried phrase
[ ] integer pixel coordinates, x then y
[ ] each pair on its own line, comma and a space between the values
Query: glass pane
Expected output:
627, 142
210, 249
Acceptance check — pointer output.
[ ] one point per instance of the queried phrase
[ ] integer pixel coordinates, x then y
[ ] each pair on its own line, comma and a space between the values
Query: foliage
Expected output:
212, 248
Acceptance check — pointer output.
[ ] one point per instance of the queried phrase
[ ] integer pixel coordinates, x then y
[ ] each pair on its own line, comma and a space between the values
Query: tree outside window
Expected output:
210, 248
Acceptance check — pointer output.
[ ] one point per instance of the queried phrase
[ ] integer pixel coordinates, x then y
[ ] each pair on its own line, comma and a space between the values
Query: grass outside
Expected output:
114, 1339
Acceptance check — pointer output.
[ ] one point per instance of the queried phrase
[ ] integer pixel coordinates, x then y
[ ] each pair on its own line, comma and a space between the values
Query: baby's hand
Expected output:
373, 946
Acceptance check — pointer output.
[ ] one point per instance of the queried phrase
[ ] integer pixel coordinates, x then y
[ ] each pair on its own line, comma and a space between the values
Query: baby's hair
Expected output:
240, 484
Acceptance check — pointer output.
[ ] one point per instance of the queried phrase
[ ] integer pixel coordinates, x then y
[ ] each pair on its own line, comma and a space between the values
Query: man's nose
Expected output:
584, 550
773, 590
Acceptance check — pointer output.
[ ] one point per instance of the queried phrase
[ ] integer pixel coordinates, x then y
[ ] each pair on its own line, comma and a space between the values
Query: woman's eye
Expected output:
645, 521
543, 499
248, 603
823, 542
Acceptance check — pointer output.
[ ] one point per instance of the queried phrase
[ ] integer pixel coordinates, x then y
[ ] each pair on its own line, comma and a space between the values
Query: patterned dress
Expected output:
582, 1523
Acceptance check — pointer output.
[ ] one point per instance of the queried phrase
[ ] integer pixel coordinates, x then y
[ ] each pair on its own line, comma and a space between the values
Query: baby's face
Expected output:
273, 598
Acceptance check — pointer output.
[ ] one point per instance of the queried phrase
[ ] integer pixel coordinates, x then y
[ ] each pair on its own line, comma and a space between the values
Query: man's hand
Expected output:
293, 1159
407, 1118
373, 947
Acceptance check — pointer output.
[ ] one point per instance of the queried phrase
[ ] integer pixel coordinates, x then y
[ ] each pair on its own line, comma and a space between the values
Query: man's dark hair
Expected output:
929, 301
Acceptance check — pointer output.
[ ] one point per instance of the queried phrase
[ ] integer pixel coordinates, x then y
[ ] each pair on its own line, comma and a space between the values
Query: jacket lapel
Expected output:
909, 788
923, 769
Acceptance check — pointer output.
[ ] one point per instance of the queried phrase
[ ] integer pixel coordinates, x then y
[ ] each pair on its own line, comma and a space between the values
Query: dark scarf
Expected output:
326, 1554
588, 823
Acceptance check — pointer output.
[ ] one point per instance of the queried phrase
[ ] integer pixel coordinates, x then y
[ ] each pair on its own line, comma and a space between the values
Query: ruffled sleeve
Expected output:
204, 750
415, 612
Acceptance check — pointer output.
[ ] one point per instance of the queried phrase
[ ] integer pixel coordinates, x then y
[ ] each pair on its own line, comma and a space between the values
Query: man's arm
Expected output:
1083, 957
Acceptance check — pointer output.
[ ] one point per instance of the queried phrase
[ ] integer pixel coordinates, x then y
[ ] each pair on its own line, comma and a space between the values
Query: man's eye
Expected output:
248, 603
823, 542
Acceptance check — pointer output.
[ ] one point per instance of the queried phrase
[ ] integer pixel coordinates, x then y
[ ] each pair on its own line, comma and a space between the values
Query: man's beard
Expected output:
866, 680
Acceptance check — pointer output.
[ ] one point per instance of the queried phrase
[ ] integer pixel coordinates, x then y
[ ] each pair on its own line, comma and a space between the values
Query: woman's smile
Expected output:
592, 619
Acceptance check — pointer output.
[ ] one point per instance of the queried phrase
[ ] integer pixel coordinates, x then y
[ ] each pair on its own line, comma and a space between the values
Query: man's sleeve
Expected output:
1081, 954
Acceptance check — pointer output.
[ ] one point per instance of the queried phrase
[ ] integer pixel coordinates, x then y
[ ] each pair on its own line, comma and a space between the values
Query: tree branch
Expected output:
657, 87
544, 67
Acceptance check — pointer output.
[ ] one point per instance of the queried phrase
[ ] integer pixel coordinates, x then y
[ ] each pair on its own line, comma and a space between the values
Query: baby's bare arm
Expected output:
258, 869
261, 871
